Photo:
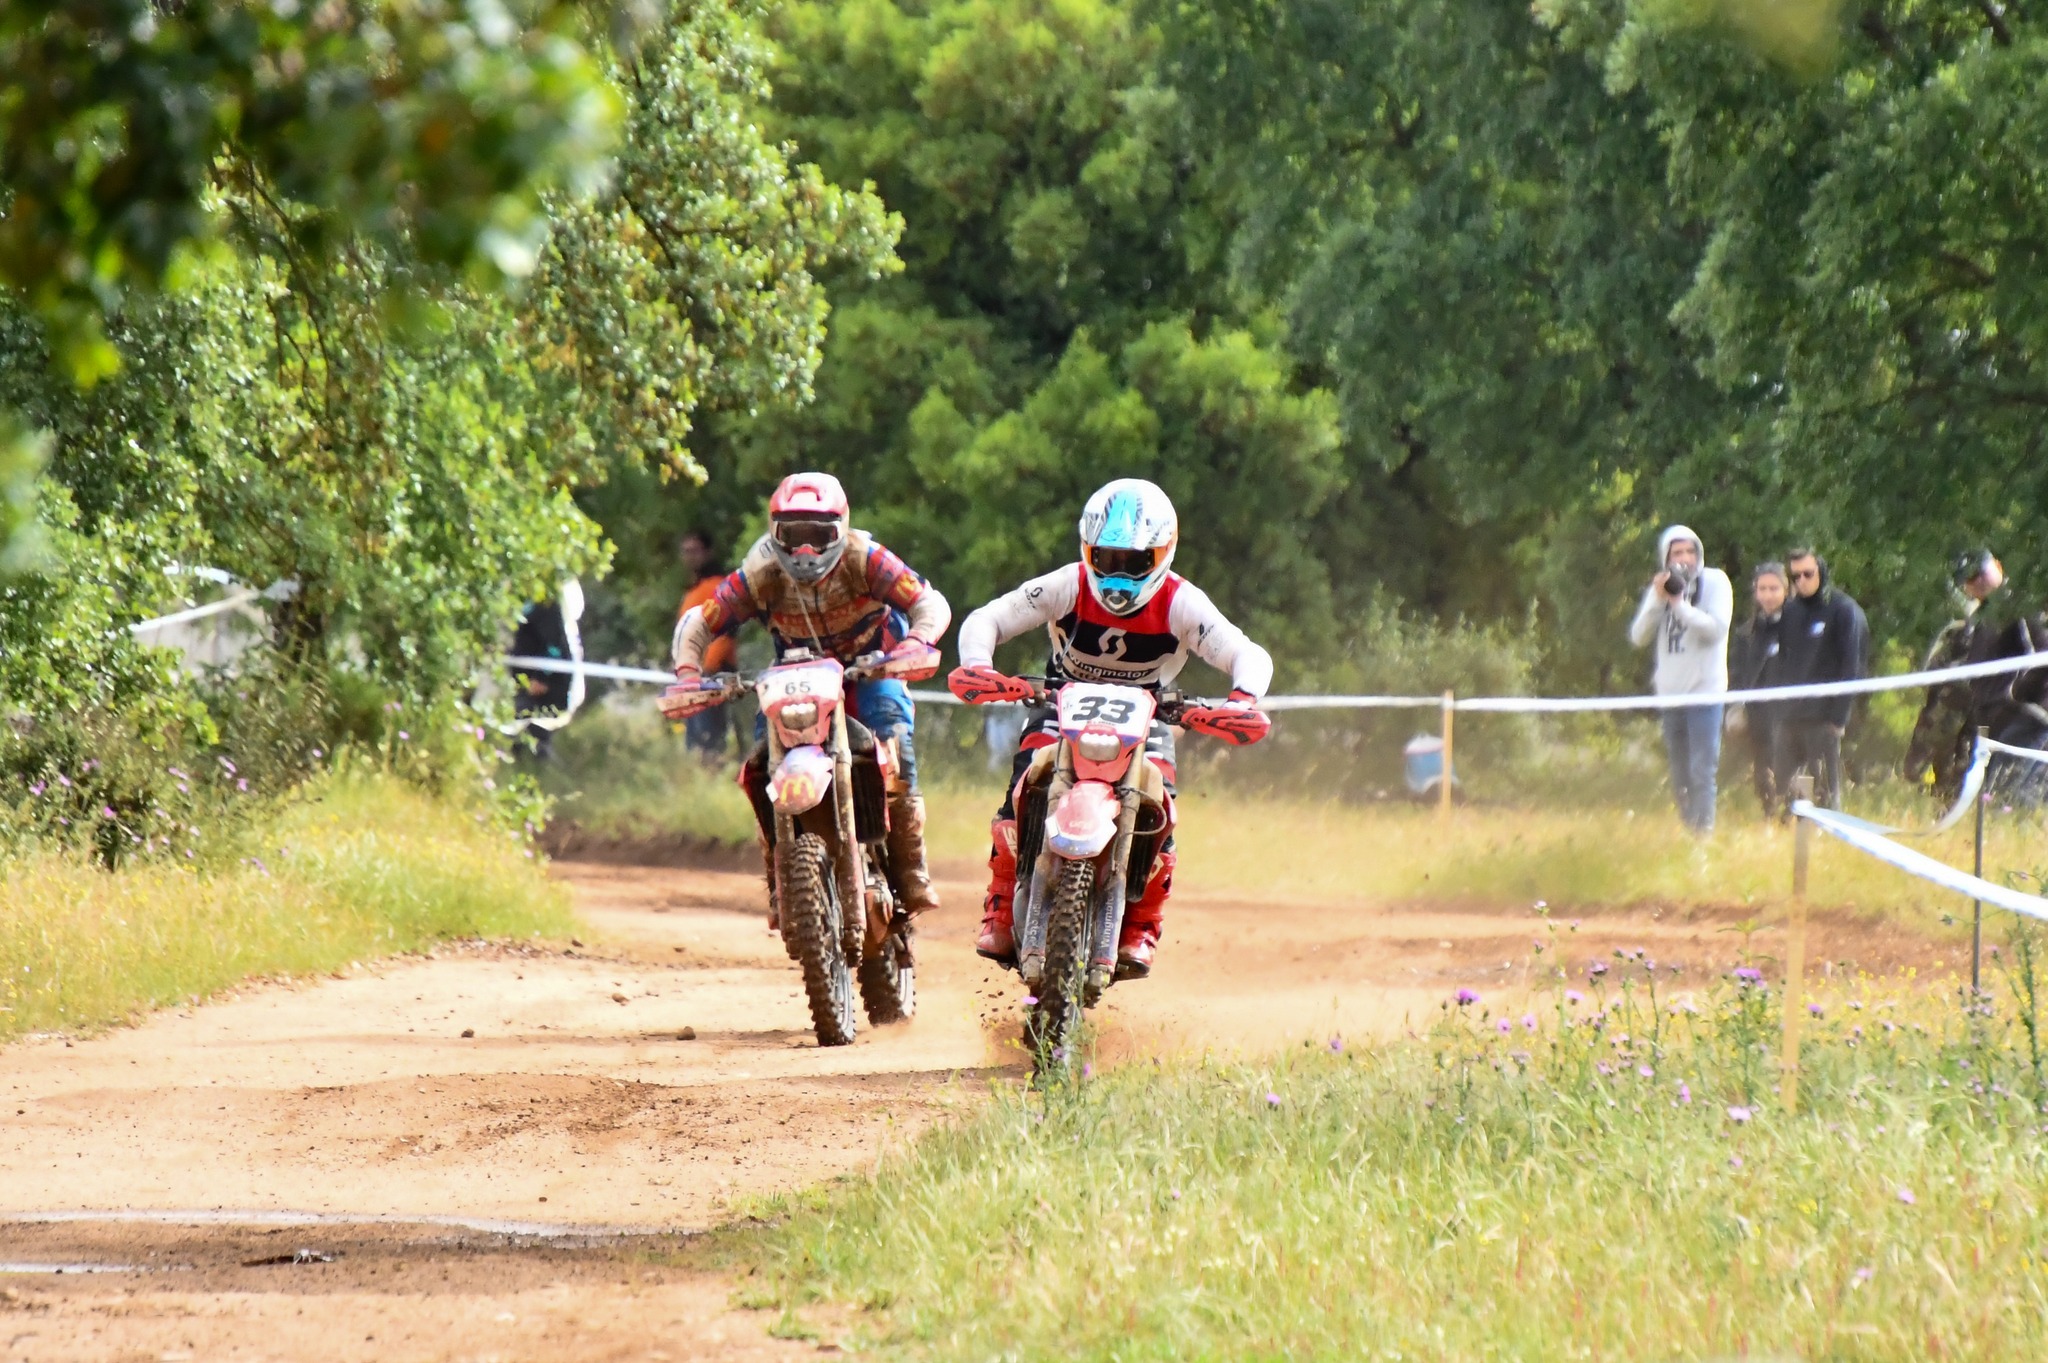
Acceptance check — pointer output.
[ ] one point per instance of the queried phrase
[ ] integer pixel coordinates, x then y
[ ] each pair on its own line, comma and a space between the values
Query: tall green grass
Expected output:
1609, 1176
355, 867
621, 772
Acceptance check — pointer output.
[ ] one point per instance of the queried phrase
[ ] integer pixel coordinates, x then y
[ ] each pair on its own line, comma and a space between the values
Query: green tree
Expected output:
415, 473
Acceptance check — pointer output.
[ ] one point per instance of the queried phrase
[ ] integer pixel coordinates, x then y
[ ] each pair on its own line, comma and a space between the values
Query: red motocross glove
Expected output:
1237, 721
985, 685
689, 695
911, 660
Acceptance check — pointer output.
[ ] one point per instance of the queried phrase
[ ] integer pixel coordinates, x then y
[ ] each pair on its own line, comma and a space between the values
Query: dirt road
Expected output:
489, 1153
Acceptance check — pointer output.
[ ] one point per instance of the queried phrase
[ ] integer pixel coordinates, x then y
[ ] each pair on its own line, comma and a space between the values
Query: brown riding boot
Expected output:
906, 852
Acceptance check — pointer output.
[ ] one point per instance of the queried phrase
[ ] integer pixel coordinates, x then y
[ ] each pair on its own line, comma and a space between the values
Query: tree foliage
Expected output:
414, 470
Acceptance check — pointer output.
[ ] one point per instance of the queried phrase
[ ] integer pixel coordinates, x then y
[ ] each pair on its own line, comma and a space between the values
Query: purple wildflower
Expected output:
36, 789
106, 811
1336, 1045
242, 783
1528, 1022
1573, 996
179, 774
404, 737
1272, 1100
1465, 996
1906, 1196
63, 780
1684, 1092
1031, 1000
1646, 1072
1735, 1161
1748, 974
1814, 1009
1597, 969
1739, 1114
1505, 1026
1864, 1275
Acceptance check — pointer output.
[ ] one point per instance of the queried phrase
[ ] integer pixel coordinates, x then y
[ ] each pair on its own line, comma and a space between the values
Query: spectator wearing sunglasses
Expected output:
1822, 638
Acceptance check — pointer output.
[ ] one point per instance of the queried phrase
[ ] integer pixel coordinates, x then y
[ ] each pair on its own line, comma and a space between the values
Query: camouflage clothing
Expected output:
1943, 735
854, 609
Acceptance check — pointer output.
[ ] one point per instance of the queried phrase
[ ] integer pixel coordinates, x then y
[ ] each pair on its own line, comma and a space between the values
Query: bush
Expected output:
358, 866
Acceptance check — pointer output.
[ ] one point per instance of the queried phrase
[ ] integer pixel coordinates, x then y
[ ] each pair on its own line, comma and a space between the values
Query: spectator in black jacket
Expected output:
1823, 638
1754, 664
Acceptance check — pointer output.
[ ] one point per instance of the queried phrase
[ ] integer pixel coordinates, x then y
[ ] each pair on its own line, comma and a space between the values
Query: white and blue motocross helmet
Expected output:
1128, 535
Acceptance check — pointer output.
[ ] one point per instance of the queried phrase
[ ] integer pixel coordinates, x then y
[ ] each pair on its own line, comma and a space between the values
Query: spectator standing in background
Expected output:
1753, 665
705, 731
1684, 619
1823, 638
1945, 734
544, 701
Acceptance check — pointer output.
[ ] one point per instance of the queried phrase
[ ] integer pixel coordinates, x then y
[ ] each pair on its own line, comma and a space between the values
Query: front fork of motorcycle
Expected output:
1110, 890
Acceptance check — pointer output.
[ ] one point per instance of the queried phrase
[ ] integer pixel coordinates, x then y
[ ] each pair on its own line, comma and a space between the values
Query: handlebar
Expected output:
1168, 704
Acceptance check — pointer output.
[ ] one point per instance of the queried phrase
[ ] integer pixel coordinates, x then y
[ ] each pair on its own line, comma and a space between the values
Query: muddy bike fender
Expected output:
801, 779
1084, 821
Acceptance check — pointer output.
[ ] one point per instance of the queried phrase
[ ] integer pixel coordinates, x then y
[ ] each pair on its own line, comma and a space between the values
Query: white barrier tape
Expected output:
282, 590
1997, 667
226, 603
2031, 754
1864, 838
607, 671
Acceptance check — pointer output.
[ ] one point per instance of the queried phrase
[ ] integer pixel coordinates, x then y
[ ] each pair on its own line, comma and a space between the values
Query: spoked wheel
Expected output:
1055, 1022
812, 928
888, 982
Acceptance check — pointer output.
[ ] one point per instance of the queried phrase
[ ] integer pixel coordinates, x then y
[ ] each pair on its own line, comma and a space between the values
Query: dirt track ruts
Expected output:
576, 1105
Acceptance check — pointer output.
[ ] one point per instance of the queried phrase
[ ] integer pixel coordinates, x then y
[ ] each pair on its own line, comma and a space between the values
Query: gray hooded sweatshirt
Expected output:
1691, 633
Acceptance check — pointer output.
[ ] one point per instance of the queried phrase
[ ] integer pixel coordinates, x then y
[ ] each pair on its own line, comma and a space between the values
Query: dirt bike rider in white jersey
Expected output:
1120, 615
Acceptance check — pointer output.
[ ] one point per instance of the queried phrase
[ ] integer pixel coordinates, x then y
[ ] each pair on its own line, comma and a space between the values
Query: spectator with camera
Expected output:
1684, 619
1945, 734
1823, 638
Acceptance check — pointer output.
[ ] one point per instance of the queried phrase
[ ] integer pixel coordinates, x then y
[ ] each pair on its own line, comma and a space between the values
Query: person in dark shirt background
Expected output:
1753, 664
1823, 637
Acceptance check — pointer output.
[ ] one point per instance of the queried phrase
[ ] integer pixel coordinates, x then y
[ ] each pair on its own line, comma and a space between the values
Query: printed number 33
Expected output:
1109, 709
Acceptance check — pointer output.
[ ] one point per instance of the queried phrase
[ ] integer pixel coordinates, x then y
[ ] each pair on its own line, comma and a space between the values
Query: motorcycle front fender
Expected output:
800, 780
1084, 821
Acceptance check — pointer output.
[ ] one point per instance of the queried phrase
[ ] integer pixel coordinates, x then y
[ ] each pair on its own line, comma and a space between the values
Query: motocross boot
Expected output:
906, 852
1144, 921
998, 941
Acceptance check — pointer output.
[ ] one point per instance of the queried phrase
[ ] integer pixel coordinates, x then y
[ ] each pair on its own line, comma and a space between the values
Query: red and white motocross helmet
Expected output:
807, 525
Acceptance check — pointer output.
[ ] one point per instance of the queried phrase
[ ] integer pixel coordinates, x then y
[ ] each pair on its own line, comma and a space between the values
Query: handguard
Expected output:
985, 686
1238, 722
690, 694
911, 660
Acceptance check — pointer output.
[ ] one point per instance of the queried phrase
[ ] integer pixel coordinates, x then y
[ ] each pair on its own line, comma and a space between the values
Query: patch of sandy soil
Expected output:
531, 1133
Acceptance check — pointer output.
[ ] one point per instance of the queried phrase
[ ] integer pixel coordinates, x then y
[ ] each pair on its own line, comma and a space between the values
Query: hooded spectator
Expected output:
1753, 666
1823, 638
1684, 618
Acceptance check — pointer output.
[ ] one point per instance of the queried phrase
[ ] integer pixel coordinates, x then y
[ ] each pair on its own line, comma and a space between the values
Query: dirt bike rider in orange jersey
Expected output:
1120, 615
821, 585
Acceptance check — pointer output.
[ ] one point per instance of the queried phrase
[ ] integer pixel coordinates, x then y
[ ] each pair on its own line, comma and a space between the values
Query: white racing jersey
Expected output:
1090, 643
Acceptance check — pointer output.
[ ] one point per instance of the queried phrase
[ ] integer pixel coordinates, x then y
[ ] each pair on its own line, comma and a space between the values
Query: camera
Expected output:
1677, 581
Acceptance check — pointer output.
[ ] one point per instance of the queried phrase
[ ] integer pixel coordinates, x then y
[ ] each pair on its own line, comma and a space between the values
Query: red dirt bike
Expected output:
825, 811
1092, 815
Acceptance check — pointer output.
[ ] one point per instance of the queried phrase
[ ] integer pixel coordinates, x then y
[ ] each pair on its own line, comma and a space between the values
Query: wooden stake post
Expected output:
1977, 905
1795, 950
1444, 786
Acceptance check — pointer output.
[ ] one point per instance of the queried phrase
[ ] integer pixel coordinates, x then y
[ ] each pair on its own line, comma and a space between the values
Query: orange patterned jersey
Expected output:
847, 613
